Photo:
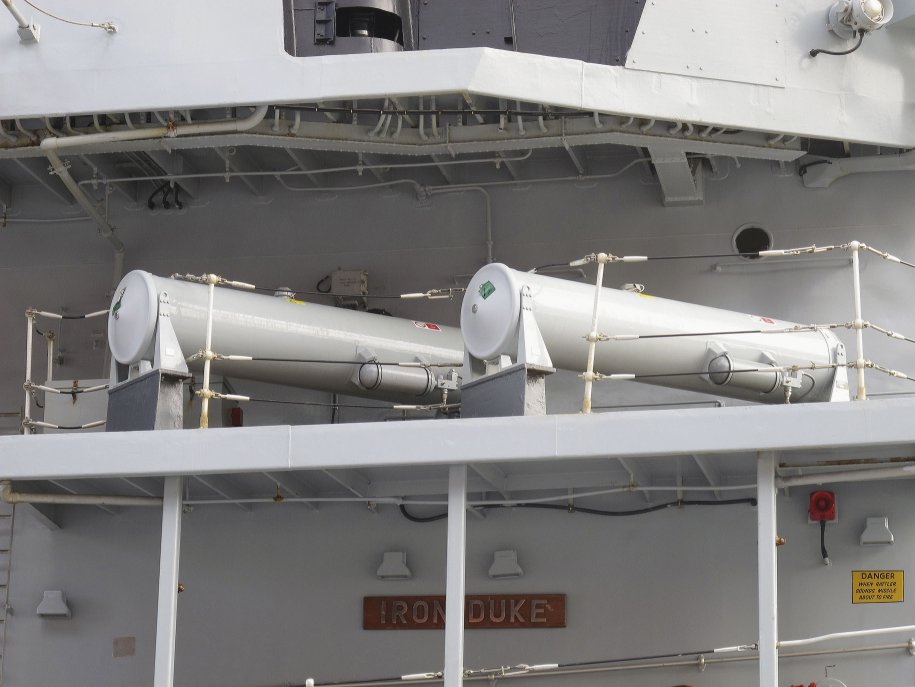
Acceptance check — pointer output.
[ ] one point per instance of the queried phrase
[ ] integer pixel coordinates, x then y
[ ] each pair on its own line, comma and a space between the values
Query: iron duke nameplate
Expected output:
480, 611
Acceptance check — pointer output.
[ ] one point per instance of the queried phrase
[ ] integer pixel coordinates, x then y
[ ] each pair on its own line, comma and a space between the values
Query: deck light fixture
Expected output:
505, 565
53, 605
877, 531
394, 566
848, 17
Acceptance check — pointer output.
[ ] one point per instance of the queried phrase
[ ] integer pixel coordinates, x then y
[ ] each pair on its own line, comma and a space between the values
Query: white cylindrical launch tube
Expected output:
262, 326
489, 324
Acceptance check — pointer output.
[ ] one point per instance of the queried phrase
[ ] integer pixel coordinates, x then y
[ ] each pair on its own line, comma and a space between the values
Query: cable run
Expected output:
774, 368
351, 362
319, 404
106, 25
571, 508
785, 330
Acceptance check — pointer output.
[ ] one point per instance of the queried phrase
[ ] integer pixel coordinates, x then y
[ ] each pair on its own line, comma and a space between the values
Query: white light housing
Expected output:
53, 605
847, 17
505, 565
394, 566
877, 531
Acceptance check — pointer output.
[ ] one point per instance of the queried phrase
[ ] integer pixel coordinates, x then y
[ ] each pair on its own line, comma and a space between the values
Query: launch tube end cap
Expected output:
490, 312
132, 317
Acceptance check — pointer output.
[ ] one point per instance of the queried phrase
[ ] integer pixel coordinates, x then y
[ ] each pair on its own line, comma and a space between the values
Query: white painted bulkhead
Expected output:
275, 595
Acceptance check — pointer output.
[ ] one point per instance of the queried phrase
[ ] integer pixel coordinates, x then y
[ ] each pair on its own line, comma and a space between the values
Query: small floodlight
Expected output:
848, 17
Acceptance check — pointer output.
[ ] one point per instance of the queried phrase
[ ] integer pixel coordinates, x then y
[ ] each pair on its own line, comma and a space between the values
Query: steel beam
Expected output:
510, 165
710, 475
50, 183
445, 170
6, 195
478, 139
636, 475
284, 485
766, 533
237, 162
680, 183
494, 476
170, 553
350, 480
574, 157
208, 483
305, 161
878, 428
454, 583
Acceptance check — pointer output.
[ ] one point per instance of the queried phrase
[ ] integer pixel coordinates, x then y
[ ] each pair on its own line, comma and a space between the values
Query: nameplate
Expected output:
515, 611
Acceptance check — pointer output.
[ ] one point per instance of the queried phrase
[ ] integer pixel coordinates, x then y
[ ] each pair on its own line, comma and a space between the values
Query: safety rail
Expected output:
30, 388
860, 364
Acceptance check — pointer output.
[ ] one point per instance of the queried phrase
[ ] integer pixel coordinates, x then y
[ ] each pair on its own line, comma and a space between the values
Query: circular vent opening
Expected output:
750, 239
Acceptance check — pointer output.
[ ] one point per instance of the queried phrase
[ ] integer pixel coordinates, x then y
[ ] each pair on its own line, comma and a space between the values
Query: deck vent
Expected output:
505, 565
394, 566
53, 605
750, 239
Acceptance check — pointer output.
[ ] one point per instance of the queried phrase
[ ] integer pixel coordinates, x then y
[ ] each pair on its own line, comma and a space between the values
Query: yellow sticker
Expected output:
293, 300
877, 586
645, 295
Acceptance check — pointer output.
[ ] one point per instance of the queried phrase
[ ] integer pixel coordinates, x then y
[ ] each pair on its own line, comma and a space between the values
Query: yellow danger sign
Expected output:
877, 586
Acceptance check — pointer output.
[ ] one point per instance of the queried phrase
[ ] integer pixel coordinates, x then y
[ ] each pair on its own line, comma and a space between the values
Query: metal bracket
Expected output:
840, 390
325, 22
531, 347
168, 355
30, 33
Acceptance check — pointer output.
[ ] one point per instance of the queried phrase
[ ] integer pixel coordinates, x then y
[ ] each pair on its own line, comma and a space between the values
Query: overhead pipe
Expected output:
904, 472
54, 147
7, 495
701, 663
845, 635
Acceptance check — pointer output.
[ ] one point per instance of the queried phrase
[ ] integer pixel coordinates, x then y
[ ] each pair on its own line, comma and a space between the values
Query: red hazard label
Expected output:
764, 320
427, 325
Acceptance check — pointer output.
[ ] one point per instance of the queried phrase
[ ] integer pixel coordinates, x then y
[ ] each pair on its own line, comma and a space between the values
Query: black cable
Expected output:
319, 292
416, 518
818, 51
679, 503
159, 189
543, 267
722, 333
700, 373
752, 254
654, 657
331, 362
802, 170
324, 280
165, 194
70, 427
823, 551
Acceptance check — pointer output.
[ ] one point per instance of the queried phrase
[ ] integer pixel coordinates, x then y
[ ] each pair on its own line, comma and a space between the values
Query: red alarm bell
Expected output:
822, 506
